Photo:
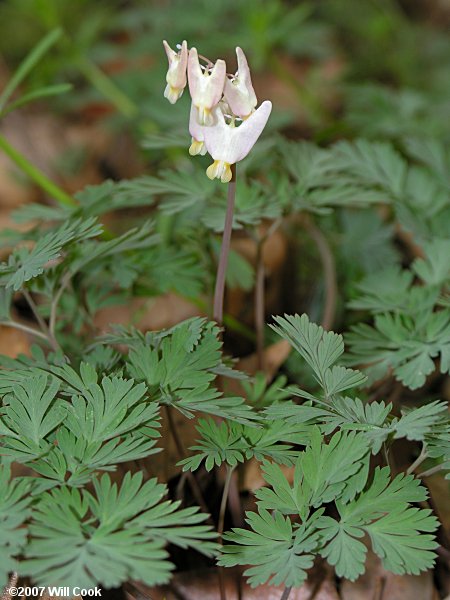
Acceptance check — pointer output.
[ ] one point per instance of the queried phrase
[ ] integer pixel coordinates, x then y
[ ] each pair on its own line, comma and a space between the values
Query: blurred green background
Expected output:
334, 70
332, 67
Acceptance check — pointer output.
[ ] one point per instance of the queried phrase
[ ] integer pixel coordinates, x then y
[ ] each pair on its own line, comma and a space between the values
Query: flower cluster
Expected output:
224, 120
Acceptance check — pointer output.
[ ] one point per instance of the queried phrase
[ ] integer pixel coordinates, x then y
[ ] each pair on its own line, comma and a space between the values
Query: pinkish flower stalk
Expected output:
217, 103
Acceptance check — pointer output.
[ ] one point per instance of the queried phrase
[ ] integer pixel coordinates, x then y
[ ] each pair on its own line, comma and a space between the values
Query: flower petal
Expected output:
239, 93
217, 81
194, 70
231, 144
250, 130
176, 74
195, 129
197, 147
206, 88
220, 170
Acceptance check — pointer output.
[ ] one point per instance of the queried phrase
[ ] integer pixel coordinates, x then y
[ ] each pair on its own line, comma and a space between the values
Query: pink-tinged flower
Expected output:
206, 87
228, 144
196, 130
176, 75
239, 91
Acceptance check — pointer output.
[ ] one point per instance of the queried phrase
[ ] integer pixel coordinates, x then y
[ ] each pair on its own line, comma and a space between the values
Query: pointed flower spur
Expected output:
239, 92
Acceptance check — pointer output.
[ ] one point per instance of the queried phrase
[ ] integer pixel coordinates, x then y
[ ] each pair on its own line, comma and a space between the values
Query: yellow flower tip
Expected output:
205, 116
212, 170
227, 174
197, 147
172, 94
220, 170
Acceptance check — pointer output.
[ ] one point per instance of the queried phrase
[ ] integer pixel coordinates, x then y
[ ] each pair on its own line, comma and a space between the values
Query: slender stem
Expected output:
220, 526
431, 471
208, 62
42, 324
12, 583
259, 304
395, 394
222, 588
234, 502
36, 175
286, 593
386, 456
107, 87
228, 320
419, 460
35, 311
442, 551
223, 504
224, 250
54, 305
24, 328
441, 533
173, 431
181, 453
259, 292
329, 269
180, 486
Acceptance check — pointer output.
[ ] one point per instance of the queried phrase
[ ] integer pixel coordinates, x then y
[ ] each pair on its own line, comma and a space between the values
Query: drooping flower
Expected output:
196, 130
239, 91
228, 144
176, 74
206, 86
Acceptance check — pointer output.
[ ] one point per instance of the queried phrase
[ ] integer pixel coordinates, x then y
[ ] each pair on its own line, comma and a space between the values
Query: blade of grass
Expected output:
36, 175
45, 92
28, 64
106, 87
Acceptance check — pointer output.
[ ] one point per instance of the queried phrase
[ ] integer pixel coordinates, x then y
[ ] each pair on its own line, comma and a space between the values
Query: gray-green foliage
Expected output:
233, 443
81, 538
72, 415
72, 418
68, 427
15, 503
411, 327
180, 368
332, 408
280, 550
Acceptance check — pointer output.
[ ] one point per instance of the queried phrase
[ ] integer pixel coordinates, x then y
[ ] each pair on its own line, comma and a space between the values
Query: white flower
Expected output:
206, 87
239, 92
196, 130
176, 75
228, 144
